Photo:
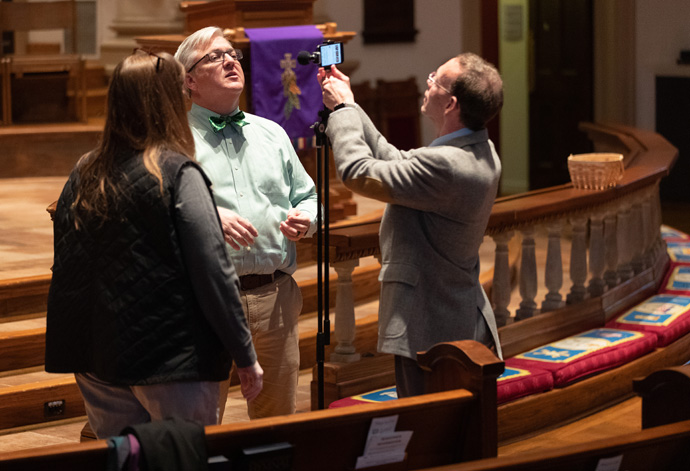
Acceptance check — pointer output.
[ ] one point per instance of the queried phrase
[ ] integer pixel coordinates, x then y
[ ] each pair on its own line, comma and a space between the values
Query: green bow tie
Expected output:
219, 122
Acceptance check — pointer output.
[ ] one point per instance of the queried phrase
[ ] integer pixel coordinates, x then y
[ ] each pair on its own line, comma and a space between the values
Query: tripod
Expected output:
322, 257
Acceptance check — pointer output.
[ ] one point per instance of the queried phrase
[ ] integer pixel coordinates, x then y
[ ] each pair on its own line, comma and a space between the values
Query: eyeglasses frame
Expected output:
238, 56
432, 78
150, 53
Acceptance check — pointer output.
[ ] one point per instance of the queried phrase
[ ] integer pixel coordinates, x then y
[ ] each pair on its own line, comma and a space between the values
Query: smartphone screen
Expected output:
331, 54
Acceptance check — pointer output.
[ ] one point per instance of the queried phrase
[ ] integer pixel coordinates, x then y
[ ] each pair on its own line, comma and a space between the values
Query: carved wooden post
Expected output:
659, 244
578, 260
554, 268
597, 255
345, 325
647, 230
624, 236
611, 243
500, 292
637, 239
528, 276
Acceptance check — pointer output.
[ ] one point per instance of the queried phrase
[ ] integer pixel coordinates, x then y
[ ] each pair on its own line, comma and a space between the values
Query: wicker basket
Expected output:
596, 171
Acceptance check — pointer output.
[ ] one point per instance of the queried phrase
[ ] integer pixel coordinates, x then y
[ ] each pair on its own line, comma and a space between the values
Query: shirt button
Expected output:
241, 195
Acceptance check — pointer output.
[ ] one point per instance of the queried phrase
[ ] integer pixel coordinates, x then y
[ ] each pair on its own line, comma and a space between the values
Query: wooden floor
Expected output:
26, 250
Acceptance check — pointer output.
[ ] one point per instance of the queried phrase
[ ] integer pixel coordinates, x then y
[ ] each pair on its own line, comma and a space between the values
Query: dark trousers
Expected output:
409, 377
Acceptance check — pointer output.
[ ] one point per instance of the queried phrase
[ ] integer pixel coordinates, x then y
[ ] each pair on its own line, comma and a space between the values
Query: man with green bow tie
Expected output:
266, 202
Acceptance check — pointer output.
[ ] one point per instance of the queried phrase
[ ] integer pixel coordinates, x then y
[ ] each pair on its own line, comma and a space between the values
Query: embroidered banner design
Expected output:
513, 373
380, 395
577, 346
679, 280
678, 251
282, 90
669, 233
659, 311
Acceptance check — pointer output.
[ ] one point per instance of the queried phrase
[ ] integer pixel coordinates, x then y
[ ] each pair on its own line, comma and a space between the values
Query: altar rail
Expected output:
615, 243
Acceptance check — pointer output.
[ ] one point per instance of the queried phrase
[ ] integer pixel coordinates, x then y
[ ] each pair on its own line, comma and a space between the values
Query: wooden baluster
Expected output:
597, 255
345, 313
554, 268
624, 237
637, 240
578, 260
659, 243
500, 291
647, 231
528, 276
611, 244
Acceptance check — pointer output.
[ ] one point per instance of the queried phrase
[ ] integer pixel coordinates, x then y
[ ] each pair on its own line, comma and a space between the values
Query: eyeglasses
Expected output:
219, 56
152, 54
431, 79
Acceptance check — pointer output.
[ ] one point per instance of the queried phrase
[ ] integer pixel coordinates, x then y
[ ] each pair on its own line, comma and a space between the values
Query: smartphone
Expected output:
330, 54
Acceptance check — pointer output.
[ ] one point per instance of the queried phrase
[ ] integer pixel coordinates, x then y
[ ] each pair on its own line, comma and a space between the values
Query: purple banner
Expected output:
283, 90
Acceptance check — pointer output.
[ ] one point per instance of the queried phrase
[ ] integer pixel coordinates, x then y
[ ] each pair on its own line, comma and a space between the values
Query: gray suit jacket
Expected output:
439, 202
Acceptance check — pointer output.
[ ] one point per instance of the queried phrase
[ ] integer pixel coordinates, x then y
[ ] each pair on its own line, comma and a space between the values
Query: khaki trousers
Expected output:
272, 312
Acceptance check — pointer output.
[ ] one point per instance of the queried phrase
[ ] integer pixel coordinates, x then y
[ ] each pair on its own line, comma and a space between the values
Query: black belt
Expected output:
248, 282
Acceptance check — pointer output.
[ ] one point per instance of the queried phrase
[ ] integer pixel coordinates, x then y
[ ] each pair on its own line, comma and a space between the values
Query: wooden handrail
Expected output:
645, 168
649, 158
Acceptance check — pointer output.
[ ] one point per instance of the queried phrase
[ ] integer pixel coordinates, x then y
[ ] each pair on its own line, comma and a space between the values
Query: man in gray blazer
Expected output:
439, 201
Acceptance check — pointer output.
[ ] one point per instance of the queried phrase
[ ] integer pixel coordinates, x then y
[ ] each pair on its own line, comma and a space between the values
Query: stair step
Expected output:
38, 398
22, 348
24, 297
24, 395
22, 341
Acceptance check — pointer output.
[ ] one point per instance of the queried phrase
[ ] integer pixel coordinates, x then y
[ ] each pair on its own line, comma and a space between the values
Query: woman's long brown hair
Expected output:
147, 115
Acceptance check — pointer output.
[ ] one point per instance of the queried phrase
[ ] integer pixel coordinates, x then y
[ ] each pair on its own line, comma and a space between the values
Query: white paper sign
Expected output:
609, 464
384, 445
380, 426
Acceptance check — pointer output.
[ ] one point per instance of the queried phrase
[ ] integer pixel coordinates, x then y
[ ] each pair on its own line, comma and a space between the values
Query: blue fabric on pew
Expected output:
665, 315
585, 354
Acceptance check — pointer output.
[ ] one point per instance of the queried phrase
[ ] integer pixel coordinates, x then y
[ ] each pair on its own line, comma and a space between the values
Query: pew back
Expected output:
447, 426
326, 439
663, 448
334, 438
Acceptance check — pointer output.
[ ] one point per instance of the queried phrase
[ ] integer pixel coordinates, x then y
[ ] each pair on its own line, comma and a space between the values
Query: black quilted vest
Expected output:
121, 305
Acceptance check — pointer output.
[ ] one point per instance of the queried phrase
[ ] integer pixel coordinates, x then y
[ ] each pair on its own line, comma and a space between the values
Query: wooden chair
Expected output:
393, 107
399, 113
49, 15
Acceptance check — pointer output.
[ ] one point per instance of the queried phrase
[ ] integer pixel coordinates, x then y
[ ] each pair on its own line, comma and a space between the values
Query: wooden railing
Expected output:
614, 238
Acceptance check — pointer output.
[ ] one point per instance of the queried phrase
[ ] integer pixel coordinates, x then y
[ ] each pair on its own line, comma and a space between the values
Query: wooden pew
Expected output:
664, 396
663, 444
447, 426
663, 448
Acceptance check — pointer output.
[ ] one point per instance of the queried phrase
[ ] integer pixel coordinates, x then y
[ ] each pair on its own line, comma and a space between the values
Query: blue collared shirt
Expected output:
442, 140
257, 174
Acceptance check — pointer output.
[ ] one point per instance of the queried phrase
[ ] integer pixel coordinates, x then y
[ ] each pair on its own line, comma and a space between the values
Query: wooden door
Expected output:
561, 86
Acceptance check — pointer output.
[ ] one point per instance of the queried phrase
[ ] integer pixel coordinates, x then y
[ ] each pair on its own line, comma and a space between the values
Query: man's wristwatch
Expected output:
337, 107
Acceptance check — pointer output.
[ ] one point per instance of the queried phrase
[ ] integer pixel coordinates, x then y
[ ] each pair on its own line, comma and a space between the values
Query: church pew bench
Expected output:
663, 448
447, 426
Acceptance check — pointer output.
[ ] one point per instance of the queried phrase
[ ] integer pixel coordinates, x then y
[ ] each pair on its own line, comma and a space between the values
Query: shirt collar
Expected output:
203, 114
442, 140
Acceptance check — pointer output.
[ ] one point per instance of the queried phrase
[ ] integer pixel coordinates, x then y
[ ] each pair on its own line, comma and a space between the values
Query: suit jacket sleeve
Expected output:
419, 178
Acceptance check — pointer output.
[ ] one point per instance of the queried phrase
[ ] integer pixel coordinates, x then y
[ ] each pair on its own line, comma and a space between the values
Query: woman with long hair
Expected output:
144, 303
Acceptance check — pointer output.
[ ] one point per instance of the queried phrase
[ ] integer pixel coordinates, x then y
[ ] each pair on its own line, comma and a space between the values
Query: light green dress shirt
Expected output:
256, 173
